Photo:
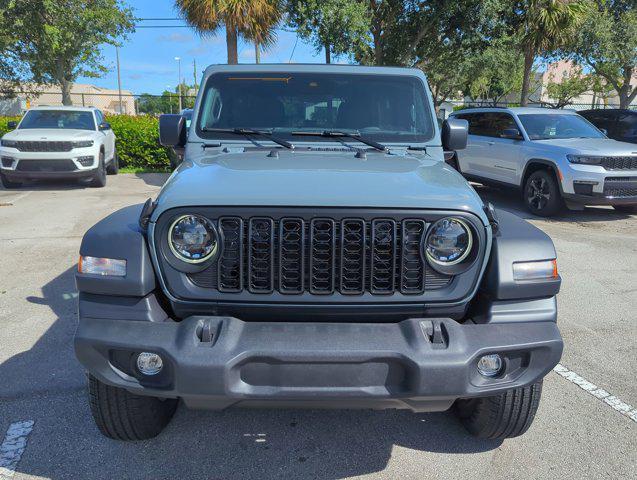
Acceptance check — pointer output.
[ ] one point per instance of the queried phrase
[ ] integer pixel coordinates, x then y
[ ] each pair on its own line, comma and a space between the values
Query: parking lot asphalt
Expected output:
575, 434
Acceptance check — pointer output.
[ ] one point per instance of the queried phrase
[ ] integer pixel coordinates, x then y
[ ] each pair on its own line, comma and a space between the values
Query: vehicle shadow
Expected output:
510, 199
153, 179
46, 384
48, 185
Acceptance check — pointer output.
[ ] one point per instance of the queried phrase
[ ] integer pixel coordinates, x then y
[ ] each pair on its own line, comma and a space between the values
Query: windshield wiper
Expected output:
340, 134
251, 131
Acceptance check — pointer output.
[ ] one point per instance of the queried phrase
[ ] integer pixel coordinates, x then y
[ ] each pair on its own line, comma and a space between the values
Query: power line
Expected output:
162, 26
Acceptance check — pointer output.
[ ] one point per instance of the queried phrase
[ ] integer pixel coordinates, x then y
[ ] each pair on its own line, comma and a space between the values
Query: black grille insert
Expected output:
322, 255
53, 165
620, 163
230, 268
261, 255
291, 255
44, 146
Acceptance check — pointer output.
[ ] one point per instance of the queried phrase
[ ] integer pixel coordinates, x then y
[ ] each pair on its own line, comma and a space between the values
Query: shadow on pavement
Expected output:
48, 185
511, 201
153, 179
47, 384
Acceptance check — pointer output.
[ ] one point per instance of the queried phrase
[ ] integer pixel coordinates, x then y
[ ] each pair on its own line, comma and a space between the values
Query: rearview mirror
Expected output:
511, 134
454, 134
172, 130
104, 126
12, 125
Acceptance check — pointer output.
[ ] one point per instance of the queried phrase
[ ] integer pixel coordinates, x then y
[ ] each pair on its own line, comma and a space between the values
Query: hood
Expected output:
54, 134
313, 179
592, 146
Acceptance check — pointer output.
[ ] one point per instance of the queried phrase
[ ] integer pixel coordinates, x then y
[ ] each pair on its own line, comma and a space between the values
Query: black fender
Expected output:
517, 241
118, 236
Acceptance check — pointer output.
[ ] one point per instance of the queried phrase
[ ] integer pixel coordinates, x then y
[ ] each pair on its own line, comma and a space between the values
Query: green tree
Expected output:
562, 91
60, 40
541, 28
336, 26
252, 19
607, 44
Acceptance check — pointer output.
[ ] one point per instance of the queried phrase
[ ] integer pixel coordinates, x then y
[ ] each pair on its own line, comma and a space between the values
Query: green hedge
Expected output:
137, 141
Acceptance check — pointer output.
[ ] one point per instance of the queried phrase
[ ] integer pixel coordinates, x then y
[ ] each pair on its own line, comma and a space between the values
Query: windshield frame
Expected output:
387, 138
63, 111
561, 114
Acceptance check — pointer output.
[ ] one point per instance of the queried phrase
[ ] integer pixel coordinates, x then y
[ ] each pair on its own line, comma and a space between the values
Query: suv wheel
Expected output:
122, 415
541, 194
507, 415
99, 180
8, 183
113, 167
626, 208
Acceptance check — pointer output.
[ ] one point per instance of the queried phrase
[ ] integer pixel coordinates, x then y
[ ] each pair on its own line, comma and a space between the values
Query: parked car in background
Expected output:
314, 249
58, 142
555, 157
619, 124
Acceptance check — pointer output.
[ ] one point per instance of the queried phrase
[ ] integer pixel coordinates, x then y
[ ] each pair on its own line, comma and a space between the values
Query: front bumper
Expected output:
46, 175
344, 365
19, 165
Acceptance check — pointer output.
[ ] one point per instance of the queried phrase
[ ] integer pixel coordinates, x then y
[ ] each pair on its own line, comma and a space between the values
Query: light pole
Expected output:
179, 82
119, 79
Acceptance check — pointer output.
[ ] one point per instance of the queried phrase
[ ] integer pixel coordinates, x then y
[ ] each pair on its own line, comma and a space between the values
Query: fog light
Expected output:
149, 363
86, 161
490, 365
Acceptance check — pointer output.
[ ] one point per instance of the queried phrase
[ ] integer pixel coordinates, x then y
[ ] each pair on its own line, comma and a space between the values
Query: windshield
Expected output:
547, 126
63, 119
382, 107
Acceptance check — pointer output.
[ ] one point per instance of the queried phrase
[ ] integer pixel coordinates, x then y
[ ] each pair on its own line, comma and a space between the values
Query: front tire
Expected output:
507, 415
9, 184
629, 209
99, 180
542, 195
122, 415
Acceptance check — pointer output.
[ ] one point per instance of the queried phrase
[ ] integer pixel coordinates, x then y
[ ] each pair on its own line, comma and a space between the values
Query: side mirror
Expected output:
172, 130
455, 133
12, 125
104, 126
511, 134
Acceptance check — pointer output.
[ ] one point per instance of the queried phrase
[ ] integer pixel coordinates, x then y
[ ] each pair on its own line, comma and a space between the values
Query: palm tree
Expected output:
252, 19
546, 25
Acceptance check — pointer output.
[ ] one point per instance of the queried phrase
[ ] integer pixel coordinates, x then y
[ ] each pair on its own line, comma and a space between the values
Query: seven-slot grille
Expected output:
44, 146
321, 256
620, 163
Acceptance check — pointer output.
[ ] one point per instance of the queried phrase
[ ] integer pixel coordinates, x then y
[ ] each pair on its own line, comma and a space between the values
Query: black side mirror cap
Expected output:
172, 130
511, 134
12, 125
104, 126
455, 133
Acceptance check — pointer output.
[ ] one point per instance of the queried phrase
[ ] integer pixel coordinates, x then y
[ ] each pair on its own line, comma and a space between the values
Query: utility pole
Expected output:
194, 66
119, 80
179, 82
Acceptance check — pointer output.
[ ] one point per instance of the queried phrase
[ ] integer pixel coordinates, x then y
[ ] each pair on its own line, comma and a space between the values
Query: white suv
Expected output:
555, 157
58, 142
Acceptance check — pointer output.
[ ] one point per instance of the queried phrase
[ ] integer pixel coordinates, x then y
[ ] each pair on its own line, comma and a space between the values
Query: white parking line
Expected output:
599, 393
13, 446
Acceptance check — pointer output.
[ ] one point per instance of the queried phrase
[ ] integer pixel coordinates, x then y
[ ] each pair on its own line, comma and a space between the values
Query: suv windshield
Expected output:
382, 107
547, 126
63, 119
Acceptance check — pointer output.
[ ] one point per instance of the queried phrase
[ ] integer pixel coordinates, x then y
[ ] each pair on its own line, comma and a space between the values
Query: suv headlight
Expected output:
9, 143
448, 243
585, 159
193, 239
82, 143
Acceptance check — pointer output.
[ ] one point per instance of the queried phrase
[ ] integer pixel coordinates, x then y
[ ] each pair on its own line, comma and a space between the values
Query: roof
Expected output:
516, 110
64, 107
312, 68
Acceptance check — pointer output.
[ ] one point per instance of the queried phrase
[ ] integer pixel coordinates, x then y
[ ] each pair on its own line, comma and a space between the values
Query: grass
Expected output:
142, 170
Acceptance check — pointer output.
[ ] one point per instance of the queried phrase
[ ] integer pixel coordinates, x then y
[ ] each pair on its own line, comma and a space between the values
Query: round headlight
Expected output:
193, 239
449, 242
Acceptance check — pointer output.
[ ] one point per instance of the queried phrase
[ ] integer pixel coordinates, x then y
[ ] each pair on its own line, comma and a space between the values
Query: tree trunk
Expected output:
378, 47
257, 52
231, 45
529, 56
328, 57
65, 85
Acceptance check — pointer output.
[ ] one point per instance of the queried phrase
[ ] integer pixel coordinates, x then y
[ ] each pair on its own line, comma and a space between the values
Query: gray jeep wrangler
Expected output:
314, 249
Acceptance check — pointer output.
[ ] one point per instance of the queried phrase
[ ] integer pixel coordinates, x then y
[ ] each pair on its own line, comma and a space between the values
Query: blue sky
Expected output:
147, 57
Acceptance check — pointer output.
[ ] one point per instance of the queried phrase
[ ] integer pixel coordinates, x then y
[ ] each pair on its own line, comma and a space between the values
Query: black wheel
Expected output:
504, 416
626, 208
121, 415
541, 194
8, 183
113, 167
99, 180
